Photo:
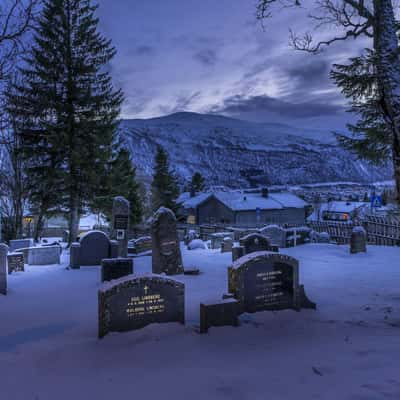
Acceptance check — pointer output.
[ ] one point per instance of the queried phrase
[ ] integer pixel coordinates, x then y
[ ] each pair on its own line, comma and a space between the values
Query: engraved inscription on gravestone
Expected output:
121, 222
132, 303
265, 281
15, 262
120, 216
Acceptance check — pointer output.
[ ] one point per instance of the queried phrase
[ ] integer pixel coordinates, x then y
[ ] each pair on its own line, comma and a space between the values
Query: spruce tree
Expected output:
197, 184
70, 101
164, 188
371, 136
119, 179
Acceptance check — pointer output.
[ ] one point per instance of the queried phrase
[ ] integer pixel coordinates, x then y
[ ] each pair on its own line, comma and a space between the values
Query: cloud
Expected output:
144, 50
264, 106
183, 102
207, 57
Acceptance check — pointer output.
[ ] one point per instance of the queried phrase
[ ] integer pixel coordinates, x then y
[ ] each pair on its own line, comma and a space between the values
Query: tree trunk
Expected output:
388, 69
396, 166
73, 219
38, 227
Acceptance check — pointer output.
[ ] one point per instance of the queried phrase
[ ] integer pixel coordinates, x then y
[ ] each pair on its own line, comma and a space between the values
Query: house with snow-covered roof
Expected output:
244, 208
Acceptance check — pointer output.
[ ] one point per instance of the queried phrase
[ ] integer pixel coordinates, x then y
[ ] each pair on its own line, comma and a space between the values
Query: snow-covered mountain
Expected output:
238, 153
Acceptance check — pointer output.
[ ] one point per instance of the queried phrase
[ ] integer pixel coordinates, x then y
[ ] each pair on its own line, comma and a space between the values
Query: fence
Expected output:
381, 231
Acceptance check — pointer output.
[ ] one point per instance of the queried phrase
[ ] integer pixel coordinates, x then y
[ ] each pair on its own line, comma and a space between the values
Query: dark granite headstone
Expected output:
358, 240
256, 242
3, 268
114, 268
265, 281
15, 262
237, 252
222, 313
133, 302
166, 252
275, 234
95, 246
120, 216
74, 252
227, 245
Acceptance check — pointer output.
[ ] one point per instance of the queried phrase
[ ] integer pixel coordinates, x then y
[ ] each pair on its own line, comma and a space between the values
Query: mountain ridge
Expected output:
238, 153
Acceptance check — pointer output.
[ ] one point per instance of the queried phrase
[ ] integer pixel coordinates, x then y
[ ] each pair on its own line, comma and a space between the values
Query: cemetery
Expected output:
267, 301
189, 210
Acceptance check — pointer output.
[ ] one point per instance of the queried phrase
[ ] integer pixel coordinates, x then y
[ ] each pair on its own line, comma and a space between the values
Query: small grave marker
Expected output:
114, 268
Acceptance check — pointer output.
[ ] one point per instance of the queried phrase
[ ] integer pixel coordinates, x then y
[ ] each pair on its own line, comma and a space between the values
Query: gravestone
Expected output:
237, 252
256, 242
166, 252
20, 244
15, 262
139, 245
3, 268
225, 312
218, 238
114, 268
227, 245
120, 219
197, 244
358, 240
133, 302
265, 281
275, 234
91, 249
41, 255
324, 237
191, 235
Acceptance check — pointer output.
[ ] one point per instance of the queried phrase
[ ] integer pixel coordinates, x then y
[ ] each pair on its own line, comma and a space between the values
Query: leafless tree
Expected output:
16, 18
374, 19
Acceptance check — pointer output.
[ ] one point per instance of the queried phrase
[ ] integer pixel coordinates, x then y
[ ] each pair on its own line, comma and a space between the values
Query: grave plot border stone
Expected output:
223, 313
141, 295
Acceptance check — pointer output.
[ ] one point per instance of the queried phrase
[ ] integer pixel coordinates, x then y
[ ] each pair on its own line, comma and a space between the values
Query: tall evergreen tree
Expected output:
164, 188
70, 102
371, 136
119, 180
197, 184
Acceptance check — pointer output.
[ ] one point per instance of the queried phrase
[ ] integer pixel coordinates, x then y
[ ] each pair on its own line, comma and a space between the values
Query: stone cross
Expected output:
3, 268
120, 221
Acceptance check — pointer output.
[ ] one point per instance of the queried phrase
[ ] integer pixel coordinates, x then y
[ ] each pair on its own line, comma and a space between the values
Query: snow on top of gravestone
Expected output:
83, 235
260, 254
359, 229
121, 199
160, 211
272, 226
106, 286
197, 244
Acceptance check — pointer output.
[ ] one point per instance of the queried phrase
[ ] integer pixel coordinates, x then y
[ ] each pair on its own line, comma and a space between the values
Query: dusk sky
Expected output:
214, 56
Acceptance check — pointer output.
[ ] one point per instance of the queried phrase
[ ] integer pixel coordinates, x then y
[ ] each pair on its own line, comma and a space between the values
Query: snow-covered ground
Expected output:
349, 349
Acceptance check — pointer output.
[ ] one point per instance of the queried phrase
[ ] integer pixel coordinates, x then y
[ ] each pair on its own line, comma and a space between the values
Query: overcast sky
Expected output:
214, 56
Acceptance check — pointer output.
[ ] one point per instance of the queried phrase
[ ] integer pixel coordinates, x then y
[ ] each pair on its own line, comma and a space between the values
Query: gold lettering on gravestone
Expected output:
147, 304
